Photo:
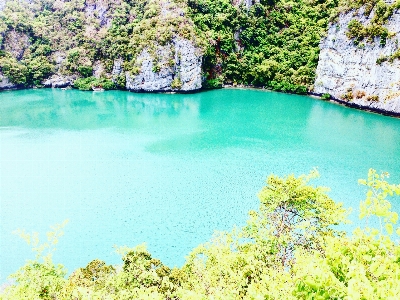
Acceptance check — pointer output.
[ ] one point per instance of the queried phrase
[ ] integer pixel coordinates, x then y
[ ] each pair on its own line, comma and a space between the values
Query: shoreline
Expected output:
332, 99
230, 86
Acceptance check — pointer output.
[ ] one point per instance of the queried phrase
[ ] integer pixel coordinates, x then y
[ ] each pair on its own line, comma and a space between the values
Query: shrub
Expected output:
326, 96
212, 84
86, 84
359, 94
373, 98
85, 71
176, 84
16, 72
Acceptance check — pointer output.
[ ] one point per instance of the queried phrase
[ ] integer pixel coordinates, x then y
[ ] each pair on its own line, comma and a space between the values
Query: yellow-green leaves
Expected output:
294, 214
53, 236
376, 204
288, 250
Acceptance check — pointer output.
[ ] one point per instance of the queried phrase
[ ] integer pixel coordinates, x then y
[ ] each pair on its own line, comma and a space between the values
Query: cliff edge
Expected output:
173, 65
361, 71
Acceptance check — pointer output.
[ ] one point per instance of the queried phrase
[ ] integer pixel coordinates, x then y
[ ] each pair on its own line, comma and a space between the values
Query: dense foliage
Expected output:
88, 83
270, 43
273, 44
289, 249
376, 28
77, 37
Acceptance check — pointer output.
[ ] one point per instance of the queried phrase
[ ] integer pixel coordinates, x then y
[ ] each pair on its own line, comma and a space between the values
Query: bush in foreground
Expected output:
289, 249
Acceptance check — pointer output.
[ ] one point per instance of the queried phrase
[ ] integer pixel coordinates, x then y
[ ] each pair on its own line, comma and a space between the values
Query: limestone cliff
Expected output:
144, 45
175, 66
178, 68
358, 74
5, 83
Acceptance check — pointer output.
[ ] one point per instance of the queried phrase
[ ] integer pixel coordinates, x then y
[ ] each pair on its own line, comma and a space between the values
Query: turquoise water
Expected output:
168, 170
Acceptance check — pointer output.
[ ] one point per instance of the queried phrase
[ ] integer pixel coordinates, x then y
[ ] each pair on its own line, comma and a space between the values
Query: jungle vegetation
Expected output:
290, 248
272, 44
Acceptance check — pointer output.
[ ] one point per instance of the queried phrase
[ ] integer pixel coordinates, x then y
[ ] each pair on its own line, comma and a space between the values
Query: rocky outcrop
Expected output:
98, 69
5, 83
246, 3
351, 73
99, 10
178, 68
117, 67
16, 43
59, 81
175, 66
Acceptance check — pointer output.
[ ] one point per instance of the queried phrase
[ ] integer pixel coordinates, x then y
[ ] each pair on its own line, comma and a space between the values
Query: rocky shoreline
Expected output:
318, 96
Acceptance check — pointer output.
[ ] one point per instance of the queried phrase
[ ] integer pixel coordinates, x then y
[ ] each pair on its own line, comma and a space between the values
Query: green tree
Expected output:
292, 215
39, 278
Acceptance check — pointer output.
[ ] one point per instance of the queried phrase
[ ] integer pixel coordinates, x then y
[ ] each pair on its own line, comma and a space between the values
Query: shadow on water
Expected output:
76, 110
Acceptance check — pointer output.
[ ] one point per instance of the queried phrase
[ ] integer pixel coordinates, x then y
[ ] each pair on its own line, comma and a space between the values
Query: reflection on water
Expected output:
168, 170
70, 109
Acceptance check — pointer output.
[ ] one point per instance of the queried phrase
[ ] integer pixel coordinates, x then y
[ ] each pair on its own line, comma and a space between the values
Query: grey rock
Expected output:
98, 9
59, 57
175, 66
346, 68
16, 43
117, 67
59, 81
247, 3
188, 64
5, 83
177, 61
98, 69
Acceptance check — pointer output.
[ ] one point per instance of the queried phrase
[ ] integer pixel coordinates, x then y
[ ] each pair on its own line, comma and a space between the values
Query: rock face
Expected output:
5, 83
351, 73
175, 66
178, 68
59, 81
247, 3
16, 43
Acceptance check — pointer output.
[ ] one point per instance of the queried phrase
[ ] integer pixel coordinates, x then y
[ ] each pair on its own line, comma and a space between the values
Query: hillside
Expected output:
359, 56
185, 45
267, 43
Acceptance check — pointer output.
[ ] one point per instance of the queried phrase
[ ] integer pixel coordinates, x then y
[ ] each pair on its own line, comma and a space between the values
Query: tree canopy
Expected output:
289, 249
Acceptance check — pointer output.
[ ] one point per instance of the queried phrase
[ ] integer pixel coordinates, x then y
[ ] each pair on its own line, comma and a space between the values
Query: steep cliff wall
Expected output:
175, 66
178, 68
5, 83
143, 45
361, 74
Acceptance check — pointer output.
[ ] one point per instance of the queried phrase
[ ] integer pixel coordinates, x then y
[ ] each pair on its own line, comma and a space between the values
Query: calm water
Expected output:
168, 170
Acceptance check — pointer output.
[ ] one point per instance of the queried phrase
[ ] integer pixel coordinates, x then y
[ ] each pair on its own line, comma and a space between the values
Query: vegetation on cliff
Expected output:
382, 12
289, 249
83, 38
271, 43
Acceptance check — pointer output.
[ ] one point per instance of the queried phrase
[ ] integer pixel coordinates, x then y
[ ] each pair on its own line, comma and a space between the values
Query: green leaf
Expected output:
389, 228
398, 230
362, 181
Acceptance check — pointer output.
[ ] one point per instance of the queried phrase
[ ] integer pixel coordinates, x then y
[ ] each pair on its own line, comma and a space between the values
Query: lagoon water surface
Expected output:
168, 170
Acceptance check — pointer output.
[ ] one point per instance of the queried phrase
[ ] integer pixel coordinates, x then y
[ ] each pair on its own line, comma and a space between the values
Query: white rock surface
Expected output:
59, 81
16, 43
179, 60
344, 67
5, 83
98, 69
